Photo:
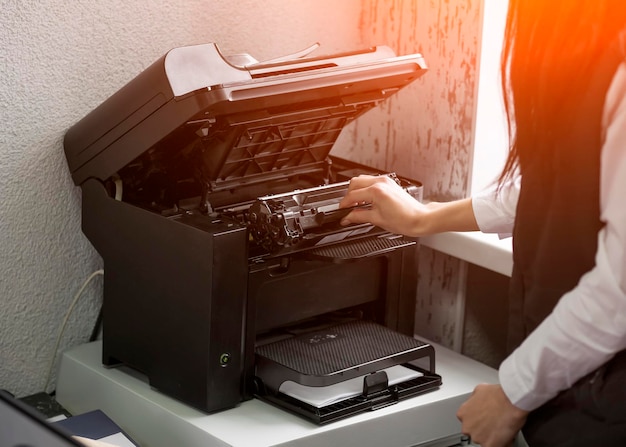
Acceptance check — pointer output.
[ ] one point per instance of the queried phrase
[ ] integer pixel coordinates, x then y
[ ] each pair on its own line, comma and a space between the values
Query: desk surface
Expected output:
154, 419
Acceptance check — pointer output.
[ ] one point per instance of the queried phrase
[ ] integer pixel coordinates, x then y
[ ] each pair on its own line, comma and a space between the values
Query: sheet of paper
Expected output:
118, 439
326, 395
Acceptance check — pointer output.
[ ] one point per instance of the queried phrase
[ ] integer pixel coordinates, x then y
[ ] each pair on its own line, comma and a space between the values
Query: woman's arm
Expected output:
588, 326
385, 204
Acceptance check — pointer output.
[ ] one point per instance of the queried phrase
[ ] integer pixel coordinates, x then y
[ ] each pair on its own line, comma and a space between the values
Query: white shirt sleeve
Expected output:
588, 325
494, 209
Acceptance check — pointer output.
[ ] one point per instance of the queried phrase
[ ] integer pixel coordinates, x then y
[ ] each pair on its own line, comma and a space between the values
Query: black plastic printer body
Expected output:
209, 190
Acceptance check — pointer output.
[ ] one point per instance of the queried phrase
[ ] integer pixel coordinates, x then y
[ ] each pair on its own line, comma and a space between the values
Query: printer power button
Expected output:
224, 359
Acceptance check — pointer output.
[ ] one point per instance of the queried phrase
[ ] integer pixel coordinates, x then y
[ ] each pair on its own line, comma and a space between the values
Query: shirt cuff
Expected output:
516, 389
489, 216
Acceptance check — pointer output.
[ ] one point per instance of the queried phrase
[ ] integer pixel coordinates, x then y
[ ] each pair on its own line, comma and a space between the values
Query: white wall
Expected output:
60, 59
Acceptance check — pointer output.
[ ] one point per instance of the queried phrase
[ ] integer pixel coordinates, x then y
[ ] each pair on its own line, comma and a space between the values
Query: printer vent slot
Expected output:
257, 75
361, 248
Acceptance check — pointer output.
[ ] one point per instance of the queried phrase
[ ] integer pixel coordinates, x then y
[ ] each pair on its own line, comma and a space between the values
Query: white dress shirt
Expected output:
588, 325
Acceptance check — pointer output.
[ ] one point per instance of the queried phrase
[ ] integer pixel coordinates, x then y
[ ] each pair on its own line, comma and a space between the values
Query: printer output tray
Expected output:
358, 350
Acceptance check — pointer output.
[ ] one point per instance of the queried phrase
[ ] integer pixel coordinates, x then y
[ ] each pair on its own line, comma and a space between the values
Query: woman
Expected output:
561, 195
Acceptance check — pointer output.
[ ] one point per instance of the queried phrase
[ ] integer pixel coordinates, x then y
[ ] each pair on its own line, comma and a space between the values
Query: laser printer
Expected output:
210, 191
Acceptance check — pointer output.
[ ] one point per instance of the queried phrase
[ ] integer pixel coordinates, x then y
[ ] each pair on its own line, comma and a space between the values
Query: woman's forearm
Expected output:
446, 216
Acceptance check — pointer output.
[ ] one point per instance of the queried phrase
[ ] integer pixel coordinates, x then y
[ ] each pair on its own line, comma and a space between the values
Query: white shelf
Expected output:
484, 250
153, 419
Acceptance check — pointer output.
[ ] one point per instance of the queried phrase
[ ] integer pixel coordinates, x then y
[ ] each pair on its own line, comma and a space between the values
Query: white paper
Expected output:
115, 440
118, 439
320, 396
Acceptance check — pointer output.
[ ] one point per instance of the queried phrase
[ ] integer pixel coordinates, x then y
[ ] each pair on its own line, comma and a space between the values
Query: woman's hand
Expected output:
383, 203
386, 204
490, 418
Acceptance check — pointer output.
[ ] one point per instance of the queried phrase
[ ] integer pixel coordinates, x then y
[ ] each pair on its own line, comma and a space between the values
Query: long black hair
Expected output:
550, 47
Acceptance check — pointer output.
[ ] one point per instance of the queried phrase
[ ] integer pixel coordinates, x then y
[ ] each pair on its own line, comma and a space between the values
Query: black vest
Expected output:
558, 213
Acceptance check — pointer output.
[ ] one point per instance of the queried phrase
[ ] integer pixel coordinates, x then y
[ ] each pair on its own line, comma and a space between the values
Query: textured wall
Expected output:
59, 59
486, 316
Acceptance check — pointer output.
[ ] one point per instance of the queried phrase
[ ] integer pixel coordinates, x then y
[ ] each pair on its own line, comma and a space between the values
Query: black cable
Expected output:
97, 326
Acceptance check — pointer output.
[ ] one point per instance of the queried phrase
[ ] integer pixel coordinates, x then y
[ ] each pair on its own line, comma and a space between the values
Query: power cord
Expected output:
67, 316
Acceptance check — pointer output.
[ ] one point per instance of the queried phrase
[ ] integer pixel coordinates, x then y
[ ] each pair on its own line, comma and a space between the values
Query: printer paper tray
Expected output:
336, 353
354, 405
359, 350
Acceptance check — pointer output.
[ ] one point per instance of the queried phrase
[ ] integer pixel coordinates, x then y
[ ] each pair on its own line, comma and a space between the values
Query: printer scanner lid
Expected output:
233, 120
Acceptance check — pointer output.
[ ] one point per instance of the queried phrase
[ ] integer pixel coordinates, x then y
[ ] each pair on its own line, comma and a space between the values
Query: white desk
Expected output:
154, 419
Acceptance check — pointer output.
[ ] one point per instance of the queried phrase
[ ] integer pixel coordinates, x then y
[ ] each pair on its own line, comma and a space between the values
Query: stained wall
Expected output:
426, 132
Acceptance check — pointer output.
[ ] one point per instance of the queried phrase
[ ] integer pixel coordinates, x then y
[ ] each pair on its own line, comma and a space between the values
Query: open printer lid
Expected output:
233, 119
